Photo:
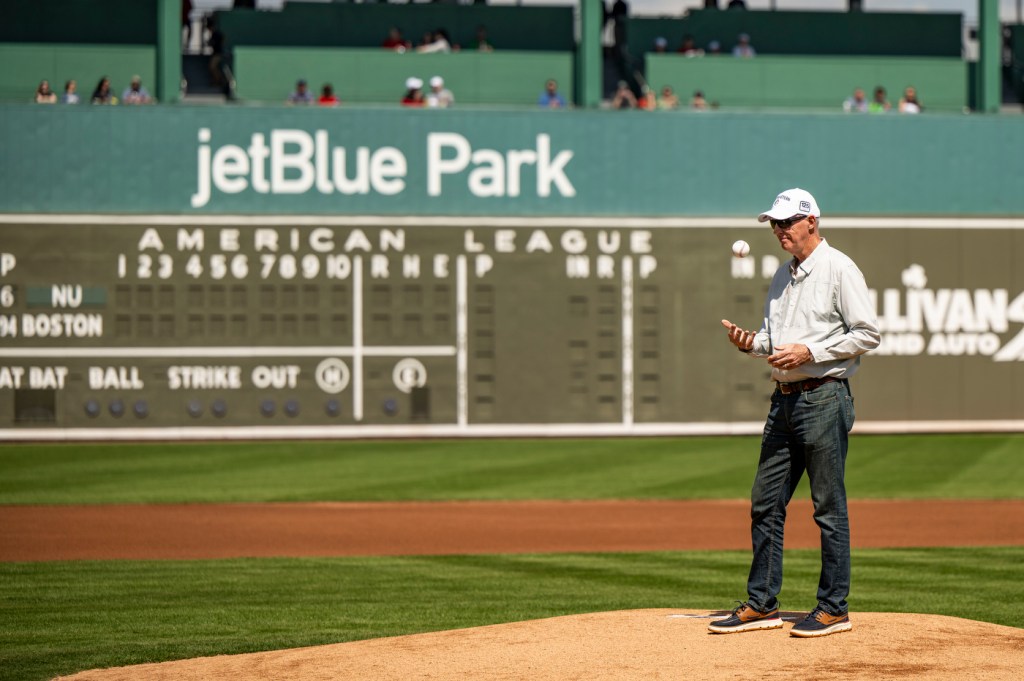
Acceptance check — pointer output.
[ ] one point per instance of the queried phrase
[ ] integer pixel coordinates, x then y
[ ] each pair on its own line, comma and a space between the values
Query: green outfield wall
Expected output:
245, 272
469, 161
824, 82
375, 75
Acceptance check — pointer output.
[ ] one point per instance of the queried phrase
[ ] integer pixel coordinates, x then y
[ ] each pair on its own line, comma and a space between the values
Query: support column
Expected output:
588, 54
168, 50
990, 48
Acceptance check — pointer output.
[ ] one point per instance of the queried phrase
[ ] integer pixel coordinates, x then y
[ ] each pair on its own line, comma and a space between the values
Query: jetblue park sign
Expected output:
294, 161
513, 163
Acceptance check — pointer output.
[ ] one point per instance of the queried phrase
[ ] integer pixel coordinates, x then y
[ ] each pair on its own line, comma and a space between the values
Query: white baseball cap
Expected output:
436, 81
789, 203
413, 83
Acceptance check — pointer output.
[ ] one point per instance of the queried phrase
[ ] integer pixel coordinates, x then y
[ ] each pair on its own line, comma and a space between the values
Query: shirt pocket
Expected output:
816, 307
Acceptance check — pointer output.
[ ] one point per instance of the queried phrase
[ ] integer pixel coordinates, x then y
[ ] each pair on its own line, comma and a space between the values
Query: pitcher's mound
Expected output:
632, 644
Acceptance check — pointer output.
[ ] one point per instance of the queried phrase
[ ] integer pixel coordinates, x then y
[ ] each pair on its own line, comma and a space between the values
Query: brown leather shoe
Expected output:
821, 623
746, 618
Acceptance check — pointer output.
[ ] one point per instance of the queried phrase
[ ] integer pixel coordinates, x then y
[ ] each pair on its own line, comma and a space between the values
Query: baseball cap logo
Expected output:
805, 206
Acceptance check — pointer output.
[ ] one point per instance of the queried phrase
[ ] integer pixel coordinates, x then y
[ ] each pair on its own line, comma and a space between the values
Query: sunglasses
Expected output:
786, 224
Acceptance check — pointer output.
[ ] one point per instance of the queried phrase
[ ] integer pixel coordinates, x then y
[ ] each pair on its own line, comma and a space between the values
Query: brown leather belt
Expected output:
802, 386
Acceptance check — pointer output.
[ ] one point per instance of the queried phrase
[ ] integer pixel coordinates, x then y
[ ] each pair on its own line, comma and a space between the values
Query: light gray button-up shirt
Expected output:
824, 304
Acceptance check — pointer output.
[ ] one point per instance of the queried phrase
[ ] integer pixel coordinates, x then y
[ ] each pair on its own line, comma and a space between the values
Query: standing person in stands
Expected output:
909, 103
647, 100
102, 93
858, 103
186, 21
44, 95
395, 41
624, 97
70, 95
743, 48
327, 96
301, 95
668, 98
482, 43
438, 42
135, 93
439, 96
879, 104
689, 47
550, 98
413, 92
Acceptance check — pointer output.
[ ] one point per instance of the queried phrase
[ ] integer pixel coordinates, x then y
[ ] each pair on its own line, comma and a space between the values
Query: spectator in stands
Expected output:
714, 48
439, 97
879, 104
660, 45
909, 103
619, 14
102, 93
70, 95
135, 93
736, 4
413, 92
327, 96
217, 43
301, 95
857, 103
668, 99
698, 102
743, 48
647, 100
689, 47
395, 41
624, 97
44, 95
550, 98
438, 42
482, 44
618, 19
186, 21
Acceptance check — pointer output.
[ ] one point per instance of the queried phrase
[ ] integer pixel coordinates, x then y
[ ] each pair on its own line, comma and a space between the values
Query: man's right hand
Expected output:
741, 338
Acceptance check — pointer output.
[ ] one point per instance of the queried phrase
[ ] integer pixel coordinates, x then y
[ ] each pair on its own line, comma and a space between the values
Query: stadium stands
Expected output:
828, 53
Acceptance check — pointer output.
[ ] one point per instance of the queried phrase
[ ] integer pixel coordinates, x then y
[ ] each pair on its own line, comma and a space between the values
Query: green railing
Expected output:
820, 83
378, 76
25, 64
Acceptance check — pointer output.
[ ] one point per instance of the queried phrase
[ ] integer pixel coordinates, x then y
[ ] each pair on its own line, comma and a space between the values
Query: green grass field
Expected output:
949, 466
57, 618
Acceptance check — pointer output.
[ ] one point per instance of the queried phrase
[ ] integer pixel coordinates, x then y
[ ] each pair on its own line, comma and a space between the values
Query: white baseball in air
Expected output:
740, 249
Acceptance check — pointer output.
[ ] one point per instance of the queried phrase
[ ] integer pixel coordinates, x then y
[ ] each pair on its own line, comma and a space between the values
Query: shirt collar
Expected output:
803, 269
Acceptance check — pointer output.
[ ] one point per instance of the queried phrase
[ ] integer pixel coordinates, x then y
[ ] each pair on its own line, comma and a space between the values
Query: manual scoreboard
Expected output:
117, 323
230, 326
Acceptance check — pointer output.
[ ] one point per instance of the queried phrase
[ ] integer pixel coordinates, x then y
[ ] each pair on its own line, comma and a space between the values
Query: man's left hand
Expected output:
790, 356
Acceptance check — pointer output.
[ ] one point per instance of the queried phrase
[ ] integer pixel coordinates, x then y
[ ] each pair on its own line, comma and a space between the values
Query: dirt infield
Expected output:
35, 533
641, 644
627, 645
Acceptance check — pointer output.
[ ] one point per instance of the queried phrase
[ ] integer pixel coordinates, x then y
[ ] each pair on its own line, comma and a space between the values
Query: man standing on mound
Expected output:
818, 320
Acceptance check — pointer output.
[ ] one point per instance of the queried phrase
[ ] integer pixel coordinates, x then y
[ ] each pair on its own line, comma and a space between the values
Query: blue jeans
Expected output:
804, 431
